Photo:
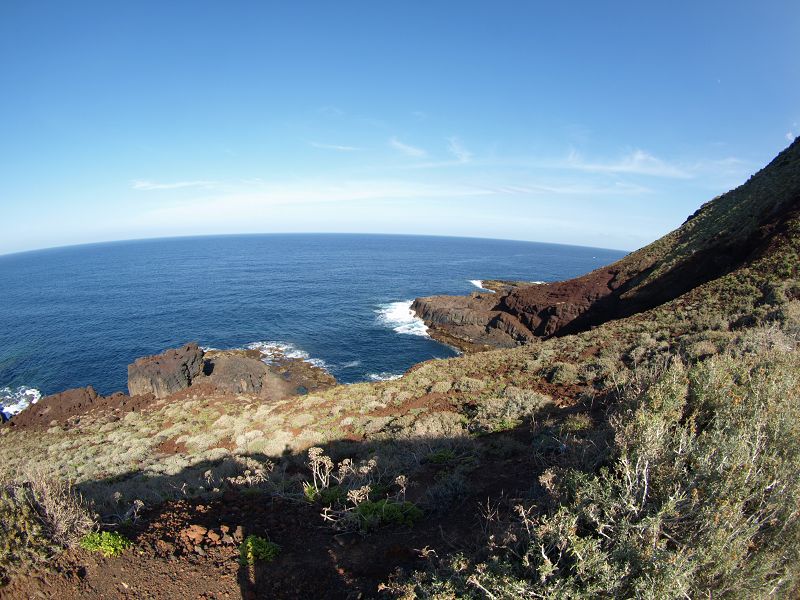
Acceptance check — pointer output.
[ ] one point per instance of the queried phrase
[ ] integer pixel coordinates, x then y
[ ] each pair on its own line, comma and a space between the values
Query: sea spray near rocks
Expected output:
15, 400
275, 351
478, 283
400, 317
383, 376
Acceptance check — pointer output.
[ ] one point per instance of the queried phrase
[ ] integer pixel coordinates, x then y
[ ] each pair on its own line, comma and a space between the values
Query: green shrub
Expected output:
561, 373
326, 496
23, 536
376, 513
107, 543
255, 548
441, 456
577, 423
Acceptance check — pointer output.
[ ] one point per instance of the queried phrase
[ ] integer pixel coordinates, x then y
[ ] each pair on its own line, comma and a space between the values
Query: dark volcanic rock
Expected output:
237, 374
472, 320
166, 373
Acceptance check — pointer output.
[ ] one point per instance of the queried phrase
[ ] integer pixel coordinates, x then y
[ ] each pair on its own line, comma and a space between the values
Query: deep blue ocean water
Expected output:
78, 315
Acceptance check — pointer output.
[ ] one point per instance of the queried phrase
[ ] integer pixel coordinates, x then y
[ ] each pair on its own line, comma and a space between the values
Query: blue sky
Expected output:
601, 124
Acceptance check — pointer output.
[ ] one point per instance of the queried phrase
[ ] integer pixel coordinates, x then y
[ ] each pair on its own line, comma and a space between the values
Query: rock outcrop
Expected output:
725, 234
227, 371
66, 409
164, 374
234, 372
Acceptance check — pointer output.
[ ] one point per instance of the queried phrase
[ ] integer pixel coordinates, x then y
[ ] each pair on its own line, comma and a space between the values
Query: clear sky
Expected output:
592, 123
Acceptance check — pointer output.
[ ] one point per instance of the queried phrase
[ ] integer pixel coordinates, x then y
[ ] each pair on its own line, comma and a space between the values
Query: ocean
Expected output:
78, 315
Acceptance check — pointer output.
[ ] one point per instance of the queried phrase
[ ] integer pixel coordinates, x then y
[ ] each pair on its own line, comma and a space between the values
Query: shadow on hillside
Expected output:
455, 481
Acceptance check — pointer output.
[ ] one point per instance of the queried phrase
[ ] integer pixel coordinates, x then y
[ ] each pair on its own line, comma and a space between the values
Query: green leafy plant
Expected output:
373, 514
108, 543
255, 548
441, 456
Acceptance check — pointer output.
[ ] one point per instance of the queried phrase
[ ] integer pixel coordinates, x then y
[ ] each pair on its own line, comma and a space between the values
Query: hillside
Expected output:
633, 433
730, 232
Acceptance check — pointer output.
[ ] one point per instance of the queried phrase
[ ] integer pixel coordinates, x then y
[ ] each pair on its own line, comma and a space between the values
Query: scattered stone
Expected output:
195, 533
227, 540
238, 534
214, 536
164, 547
345, 539
199, 550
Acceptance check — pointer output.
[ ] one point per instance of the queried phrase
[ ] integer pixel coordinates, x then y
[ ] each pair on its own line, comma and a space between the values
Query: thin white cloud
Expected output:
337, 147
260, 199
637, 162
333, 111
538, 189
457, 149
790, 136
143, 184
407, 149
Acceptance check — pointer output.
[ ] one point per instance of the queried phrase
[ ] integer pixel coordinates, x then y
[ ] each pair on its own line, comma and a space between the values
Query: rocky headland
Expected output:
725, 234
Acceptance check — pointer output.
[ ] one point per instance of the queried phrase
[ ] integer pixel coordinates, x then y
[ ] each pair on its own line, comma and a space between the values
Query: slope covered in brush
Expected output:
725, 234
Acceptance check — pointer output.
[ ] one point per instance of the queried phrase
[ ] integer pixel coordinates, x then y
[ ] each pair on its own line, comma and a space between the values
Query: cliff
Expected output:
725, 234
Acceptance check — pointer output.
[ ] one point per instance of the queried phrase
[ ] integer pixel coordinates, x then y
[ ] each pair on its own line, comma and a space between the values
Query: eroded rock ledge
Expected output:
517, 313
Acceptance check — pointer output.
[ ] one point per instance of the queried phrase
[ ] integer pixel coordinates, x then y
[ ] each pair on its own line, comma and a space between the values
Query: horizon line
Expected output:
288, 233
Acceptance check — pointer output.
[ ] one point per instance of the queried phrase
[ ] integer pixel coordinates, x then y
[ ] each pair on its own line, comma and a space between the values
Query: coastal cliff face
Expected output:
725, 234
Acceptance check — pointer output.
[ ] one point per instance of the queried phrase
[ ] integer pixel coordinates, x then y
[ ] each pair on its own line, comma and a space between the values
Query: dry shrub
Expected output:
700, 500
39, 516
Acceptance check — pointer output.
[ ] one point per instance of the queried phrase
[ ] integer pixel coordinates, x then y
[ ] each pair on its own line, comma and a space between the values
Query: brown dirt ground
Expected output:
316, 561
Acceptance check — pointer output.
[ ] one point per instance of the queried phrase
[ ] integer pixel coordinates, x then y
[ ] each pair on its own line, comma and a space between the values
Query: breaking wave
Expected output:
400, 317
14, 401
478, 283
275, 351
383, 376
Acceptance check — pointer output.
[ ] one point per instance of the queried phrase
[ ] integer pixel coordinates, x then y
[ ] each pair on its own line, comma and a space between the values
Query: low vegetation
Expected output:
255, 548
698, 496
38, 518
107, 543
654, 456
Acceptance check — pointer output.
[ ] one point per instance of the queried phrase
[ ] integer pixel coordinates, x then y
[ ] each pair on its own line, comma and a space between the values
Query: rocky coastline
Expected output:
162, 376
717, 239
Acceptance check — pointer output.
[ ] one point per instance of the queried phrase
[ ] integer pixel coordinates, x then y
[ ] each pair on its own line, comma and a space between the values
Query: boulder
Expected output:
237, 374
166, 373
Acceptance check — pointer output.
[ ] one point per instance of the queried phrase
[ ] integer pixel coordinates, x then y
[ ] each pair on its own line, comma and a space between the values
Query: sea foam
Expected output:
478, 283
274, 351
14, 401
400, 317
383, 376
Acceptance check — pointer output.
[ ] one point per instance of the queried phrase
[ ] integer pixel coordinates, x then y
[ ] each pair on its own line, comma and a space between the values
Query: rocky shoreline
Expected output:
272, 377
